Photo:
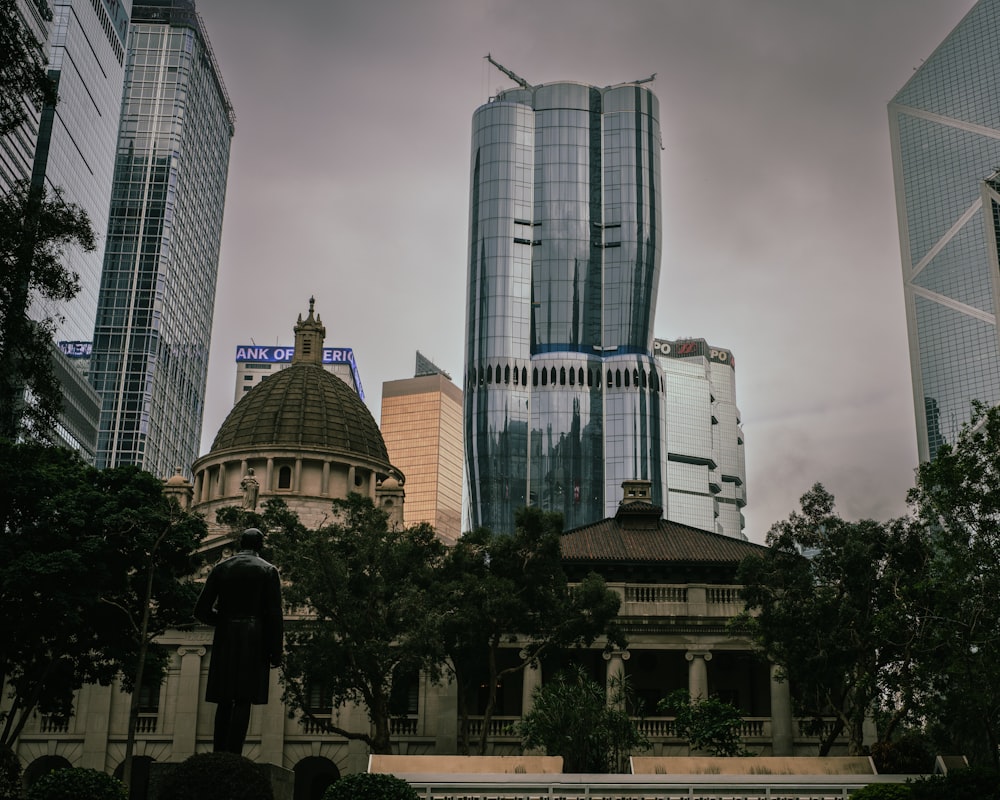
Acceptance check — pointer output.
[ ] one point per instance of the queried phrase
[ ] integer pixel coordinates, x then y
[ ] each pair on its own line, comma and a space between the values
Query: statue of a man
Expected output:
250, 488
242, 599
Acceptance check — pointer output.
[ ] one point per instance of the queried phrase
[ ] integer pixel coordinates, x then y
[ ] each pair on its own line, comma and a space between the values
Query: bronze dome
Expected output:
303, 406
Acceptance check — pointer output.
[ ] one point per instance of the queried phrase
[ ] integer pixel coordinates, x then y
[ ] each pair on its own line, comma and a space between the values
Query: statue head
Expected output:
252, 539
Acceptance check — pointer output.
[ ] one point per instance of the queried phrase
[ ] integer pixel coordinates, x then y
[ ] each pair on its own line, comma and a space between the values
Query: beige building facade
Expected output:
422, 428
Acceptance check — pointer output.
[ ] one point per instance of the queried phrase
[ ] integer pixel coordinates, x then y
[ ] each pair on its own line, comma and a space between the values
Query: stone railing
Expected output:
684, 600
500, 727
660, 728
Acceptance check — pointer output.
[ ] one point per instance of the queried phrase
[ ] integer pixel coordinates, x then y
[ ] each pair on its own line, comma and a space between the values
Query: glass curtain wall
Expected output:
563, 398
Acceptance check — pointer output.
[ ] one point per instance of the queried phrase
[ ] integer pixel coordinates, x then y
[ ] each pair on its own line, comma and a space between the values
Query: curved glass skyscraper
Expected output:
563, 399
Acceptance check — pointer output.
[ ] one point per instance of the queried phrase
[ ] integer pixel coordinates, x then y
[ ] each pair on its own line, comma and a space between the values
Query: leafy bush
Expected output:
910, 754
711, 724
370, 786
884, 791
962, 784
10, 775
572, 716
216, 776
77, 783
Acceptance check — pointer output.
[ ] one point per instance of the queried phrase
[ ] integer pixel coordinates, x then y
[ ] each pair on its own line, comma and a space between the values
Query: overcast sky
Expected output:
349, 181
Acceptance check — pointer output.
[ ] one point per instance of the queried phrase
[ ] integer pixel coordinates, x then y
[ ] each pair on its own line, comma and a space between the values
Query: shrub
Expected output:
370, 786
908, 754
962, 784
77, 783
884, 791
10, 775
216, 776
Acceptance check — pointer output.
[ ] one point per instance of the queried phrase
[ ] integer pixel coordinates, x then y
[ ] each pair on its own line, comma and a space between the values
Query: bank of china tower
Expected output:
563, 398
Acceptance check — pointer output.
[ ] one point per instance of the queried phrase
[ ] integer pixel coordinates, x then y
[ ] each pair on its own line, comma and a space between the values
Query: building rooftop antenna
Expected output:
512, 75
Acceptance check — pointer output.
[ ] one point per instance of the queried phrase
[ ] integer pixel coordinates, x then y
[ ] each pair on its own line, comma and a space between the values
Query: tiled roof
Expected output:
616, 540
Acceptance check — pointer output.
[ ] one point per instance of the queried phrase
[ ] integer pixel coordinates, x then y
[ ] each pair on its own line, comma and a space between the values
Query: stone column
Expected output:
440, 716
222, 480
297, 478
324, 488
698, 673
616, 672
95, 725
782, 741
269, 477
532, 679
188, 699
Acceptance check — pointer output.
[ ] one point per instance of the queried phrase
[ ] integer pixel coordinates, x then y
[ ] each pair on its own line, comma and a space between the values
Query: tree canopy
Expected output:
500, 588
36, 227
24, 81
75, 545
829, 613
364, 590
956, 501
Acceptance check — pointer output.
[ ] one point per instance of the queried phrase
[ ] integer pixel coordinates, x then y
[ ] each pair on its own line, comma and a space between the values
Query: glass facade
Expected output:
154, 317
706, 466
563, 399
945, 133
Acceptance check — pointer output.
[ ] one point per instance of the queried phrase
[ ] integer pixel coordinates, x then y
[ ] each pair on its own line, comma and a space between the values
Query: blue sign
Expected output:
283, 355
76, 349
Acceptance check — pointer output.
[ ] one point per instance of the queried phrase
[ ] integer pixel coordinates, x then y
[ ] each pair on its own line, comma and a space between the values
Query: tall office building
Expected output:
706, 467
75, 153
422, 428
563, 398
154, 316
945, 133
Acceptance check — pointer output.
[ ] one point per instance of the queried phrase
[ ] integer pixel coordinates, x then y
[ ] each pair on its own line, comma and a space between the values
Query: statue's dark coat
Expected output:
242, 599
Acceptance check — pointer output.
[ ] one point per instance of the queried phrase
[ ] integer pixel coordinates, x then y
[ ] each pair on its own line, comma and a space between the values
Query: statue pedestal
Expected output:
282, 780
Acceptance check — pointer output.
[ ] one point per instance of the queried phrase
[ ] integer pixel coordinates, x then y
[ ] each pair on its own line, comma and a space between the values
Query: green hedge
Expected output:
216, 776
883, 791
77, 783
10, 775
368, 786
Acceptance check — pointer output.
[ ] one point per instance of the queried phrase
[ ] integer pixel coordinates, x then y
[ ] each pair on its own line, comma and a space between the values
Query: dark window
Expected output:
285, 478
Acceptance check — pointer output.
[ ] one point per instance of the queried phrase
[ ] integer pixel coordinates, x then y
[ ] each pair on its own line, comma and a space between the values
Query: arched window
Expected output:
581, 376
572, 377
590, 376
626, 378
515, 376
534, 377
489, 374
506, 374
618, 378
562, 376
553, 376
545, 377
642, 374
635, 377
610, 379
524, 376
285, 477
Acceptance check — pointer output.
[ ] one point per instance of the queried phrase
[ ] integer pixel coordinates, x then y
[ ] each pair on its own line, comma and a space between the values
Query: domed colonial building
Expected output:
301, 435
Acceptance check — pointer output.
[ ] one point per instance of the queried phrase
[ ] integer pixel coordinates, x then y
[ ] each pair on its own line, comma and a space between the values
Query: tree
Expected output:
705, 723
956, 501
834, 622
35, 230
24, 81
574, 717
75, 546
363, 588
499, 589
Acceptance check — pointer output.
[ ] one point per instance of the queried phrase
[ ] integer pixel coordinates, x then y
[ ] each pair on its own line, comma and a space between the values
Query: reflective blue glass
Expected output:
945, 134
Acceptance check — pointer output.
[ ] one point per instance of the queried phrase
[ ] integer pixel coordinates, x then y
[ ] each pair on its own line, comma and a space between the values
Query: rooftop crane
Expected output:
512, 75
